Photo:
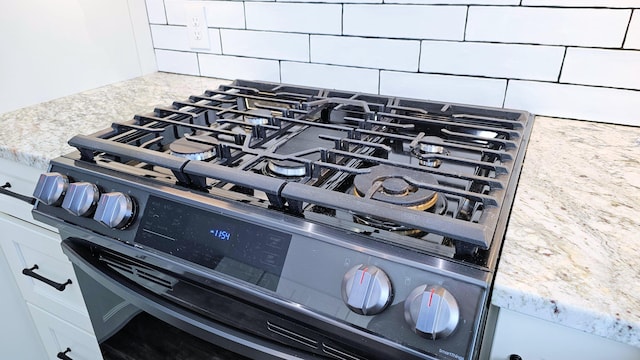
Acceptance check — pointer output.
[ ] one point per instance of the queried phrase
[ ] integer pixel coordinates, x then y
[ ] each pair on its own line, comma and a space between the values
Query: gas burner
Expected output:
257, 117
285, 168
398, 186
198, 147
378, 223
428, 154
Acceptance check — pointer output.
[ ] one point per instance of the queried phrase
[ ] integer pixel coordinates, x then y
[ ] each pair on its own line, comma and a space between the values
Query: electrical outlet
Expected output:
197, 27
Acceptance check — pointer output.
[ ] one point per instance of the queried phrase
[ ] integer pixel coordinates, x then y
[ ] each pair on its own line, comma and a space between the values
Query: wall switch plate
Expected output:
197, 29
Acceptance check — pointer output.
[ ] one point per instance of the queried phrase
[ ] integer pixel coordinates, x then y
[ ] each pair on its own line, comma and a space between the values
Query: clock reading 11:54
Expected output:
221, 234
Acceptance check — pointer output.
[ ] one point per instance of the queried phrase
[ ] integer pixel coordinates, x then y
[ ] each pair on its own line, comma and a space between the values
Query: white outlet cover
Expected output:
197, 29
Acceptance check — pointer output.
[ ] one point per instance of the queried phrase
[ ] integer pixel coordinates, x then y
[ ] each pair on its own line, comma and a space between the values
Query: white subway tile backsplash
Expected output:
233, 67
533, 62
330, 77
293, 17
170, 37
633, 34
365, 52
336, 1
225, 14
457, 89
613, 68
177, 62
565, 58
405, 21
176, 12
553, 26
155, 12
263, 44
454, 2
584, 3
575, 101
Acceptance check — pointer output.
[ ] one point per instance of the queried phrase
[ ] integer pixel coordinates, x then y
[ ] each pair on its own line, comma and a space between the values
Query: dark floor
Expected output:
145, 338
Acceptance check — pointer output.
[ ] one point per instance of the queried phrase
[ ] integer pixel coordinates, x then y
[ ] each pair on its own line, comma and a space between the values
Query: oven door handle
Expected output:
84, 257
3, 190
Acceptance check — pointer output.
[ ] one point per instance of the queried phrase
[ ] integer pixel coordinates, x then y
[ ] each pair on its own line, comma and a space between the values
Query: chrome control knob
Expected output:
115, 210
81, 198
51, 188
431, 311
366, 289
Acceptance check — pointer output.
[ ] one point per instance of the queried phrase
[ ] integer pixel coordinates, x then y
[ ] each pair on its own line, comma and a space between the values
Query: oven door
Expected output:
132, 318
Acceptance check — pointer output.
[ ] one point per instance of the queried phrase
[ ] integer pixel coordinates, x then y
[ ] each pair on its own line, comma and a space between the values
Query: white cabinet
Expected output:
536, 339
25, 246
60, 336
17, 332
59, 317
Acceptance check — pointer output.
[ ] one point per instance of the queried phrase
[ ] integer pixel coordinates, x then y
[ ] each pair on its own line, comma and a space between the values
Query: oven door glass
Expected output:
132, 322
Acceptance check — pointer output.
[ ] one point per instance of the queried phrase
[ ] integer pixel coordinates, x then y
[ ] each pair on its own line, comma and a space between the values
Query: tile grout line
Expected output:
564, 56
624, 39
504, 98
466, 22
244, 14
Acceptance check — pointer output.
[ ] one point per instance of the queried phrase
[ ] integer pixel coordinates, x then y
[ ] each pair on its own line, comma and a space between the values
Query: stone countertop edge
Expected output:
571, 249
571, 253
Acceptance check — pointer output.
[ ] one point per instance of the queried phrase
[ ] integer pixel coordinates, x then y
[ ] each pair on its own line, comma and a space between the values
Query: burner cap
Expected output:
394, 185
286, 168
194, 147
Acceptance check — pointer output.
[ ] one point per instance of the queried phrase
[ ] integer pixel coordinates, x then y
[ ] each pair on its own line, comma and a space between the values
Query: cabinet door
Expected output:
536, 339
58, 335
26, 245
16, 329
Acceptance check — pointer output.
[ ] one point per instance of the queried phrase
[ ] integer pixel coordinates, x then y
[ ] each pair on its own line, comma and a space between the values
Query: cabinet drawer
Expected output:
58, 335
26, 245
533, 338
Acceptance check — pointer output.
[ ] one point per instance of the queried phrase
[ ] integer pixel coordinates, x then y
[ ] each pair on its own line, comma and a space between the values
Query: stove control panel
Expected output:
366, 290
431, 311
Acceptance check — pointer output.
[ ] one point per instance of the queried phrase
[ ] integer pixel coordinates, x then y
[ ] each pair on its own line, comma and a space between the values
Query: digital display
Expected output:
237, 248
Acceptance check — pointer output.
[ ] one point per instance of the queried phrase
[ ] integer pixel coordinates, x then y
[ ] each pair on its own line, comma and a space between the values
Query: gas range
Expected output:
369, 225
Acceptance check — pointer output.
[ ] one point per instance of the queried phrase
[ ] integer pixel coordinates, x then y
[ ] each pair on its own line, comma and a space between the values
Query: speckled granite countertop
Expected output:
572, 251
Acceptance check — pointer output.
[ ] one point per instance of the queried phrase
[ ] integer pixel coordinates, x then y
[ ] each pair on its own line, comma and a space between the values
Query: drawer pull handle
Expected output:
3, 190
55, 285
63, 355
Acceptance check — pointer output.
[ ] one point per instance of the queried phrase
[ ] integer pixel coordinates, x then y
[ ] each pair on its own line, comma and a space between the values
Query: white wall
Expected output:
50, 49
567, 58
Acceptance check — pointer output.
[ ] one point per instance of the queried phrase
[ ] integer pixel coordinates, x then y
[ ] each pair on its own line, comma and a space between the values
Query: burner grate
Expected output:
303, 149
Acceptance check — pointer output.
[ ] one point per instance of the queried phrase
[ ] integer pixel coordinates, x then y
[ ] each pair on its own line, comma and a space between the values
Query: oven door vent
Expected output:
338, 354
142, 275
329, 350
292, 335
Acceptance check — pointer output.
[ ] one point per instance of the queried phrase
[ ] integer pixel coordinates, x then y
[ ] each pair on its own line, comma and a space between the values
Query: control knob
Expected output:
51, 188
366, 289
81, 198
431, 311
115, 210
